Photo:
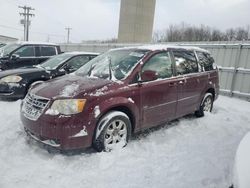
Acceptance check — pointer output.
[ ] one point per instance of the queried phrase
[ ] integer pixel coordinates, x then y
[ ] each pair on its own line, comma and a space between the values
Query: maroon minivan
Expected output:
120, 92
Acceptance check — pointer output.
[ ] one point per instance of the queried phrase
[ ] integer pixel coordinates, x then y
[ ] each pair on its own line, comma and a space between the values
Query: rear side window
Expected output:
161, 64
26, 51
206, 61
48, 51
185, 62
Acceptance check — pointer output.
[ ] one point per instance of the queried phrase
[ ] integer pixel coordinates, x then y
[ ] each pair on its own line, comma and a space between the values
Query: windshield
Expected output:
114, 64
55, 61
8, 49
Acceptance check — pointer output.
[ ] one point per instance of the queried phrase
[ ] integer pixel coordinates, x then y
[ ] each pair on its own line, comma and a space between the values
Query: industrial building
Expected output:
136, 21
6, 39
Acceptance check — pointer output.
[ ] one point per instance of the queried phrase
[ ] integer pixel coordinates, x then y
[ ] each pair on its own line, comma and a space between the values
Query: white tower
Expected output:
136, 21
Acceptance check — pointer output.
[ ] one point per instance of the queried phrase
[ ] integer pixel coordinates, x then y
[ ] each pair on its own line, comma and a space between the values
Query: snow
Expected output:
191, 152
69, 90
97, 111
242, 164
83, 132
131, 100
99, 92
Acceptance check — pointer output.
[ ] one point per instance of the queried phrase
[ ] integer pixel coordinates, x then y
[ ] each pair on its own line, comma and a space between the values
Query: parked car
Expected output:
242, 164
120, 92
15, 83
23, 54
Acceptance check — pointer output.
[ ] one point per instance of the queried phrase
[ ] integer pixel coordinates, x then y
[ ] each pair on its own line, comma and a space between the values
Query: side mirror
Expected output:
14, 56
149, 75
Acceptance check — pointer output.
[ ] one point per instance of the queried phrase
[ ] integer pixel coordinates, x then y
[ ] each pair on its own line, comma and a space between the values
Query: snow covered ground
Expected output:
188, 153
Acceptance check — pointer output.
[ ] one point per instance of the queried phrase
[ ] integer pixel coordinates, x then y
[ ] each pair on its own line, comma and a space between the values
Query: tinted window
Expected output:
161, 64
185, 62
206, 61
76, 62
26, 51
48, 51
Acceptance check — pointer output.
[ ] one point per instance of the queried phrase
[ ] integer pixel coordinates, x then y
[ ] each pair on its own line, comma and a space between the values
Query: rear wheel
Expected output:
206, 105
113, 131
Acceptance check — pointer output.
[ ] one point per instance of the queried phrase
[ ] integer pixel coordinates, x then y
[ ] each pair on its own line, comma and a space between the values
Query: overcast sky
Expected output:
99, 19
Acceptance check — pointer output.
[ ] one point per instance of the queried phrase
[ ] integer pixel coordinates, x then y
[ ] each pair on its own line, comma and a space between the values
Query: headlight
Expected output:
68, 106
11, 79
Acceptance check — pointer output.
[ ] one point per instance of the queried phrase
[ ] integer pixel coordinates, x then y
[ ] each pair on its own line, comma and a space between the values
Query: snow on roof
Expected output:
163, 47
36, 43
81, 53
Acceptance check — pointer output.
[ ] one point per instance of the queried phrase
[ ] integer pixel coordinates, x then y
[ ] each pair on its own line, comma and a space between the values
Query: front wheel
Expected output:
113, 131
206, 105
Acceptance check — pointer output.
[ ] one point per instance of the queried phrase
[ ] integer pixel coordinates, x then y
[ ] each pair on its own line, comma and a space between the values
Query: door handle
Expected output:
171, 84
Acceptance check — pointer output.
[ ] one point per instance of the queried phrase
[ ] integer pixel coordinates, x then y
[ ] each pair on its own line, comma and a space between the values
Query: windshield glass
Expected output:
55, 61
114, 64
8, 49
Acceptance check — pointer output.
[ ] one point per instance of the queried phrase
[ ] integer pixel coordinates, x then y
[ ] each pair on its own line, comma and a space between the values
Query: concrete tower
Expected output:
136, 21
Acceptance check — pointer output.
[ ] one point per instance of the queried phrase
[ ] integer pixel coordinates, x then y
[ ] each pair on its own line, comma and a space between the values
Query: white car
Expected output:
242, 164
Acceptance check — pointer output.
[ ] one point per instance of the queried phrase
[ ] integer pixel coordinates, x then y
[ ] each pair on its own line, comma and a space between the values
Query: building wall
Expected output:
136, 21
233, 60
5, 39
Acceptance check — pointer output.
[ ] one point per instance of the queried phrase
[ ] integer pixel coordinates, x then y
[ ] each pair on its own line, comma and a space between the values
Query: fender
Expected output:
112, 103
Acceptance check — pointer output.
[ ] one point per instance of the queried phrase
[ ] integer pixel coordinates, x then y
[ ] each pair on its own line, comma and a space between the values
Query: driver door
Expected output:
158, 97
24, 57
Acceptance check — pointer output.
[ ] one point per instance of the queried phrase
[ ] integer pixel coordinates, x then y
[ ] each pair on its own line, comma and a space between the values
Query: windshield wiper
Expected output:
110, 68
91, 69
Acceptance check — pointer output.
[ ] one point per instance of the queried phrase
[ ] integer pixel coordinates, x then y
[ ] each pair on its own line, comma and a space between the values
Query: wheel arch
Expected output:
212, 91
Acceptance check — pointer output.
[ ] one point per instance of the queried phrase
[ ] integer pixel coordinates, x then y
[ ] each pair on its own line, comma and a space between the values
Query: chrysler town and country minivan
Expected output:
119, 93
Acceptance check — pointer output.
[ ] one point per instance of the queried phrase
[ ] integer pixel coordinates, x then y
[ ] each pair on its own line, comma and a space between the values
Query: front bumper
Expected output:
12, 91
60, 132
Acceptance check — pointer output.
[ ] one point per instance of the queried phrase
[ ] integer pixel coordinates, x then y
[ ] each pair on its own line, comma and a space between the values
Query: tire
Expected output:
206, 105
113, 131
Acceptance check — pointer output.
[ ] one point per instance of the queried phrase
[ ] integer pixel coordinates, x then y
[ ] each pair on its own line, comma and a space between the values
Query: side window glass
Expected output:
185, 62
161, 64
206, 61
26, 51
76, 62
48, 51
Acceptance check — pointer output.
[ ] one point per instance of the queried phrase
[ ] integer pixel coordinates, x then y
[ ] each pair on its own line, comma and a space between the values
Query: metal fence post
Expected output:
236, 64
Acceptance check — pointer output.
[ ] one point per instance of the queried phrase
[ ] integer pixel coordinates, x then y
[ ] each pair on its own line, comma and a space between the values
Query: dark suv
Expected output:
121, 92
24, 54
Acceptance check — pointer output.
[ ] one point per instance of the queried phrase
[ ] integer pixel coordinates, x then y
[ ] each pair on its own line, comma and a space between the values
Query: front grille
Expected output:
33, 106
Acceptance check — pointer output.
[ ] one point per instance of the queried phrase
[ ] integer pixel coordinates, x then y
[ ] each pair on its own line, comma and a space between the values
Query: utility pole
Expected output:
26, 22
68, 33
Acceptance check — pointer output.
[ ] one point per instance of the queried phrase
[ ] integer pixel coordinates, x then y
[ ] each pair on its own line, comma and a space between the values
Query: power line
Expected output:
33, 32
26, 21
68, 33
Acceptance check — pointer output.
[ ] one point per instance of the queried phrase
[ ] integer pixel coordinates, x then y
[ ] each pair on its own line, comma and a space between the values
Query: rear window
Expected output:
206, 61
185, 62
48, 51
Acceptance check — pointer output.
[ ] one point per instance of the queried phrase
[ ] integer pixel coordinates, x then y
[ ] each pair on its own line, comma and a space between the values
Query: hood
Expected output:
70, 86
20, 72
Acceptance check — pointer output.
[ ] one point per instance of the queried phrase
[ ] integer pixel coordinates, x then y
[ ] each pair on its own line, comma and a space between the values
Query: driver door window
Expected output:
26, 51
161, 64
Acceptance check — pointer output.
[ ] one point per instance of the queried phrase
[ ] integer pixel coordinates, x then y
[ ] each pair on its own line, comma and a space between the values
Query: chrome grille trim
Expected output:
33, 106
